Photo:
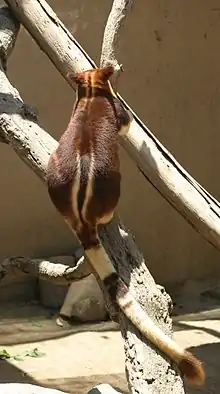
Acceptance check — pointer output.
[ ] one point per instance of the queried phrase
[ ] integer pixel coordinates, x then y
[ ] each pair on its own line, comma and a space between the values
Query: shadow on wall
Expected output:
181, 326
32, 323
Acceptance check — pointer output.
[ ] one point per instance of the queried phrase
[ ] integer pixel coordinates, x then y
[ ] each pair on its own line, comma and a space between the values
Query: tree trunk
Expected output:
147, 370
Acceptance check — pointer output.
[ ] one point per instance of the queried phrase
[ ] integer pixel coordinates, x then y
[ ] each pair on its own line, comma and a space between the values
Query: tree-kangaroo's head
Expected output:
96, 78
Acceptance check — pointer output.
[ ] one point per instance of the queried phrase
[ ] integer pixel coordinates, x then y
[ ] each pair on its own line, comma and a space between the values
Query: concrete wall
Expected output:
170, 52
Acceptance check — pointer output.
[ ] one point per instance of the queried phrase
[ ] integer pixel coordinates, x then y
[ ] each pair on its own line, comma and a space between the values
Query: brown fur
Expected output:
83, 179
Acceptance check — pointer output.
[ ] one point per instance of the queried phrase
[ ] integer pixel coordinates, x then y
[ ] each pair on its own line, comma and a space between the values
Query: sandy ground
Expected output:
74, 359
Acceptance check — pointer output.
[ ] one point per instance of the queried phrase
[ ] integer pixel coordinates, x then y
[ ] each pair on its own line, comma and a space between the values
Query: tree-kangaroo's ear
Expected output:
106, 72
74, 78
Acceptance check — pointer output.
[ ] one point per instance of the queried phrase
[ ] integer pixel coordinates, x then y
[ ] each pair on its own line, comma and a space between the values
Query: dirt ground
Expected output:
74, 359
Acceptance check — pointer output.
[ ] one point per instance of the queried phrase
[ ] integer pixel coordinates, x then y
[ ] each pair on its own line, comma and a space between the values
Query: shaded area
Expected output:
94, 353
207, 330
30, 322
82, 384
73, 358
210, 354
79, 385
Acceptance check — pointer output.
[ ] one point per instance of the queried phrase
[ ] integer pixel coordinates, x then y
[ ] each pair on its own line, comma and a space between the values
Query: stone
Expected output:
84, 301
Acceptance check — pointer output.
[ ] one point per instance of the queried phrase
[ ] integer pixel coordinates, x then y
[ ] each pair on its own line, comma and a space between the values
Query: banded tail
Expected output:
190, 367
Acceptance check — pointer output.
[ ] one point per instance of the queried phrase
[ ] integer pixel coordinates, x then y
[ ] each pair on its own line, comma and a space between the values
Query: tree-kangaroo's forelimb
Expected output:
83, 179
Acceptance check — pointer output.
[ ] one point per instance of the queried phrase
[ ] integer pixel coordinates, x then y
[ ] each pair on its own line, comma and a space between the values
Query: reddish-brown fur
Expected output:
191, 367
93, 130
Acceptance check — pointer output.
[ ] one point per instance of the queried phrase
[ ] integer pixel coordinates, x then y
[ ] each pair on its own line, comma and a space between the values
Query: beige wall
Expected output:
170, 52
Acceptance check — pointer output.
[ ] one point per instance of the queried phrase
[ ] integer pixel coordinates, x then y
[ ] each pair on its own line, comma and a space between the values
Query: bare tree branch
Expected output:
59, 273
157, 165
116, 19
10, 27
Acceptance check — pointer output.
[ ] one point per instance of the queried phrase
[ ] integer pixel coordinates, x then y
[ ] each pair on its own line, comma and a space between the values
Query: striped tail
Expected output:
189, 365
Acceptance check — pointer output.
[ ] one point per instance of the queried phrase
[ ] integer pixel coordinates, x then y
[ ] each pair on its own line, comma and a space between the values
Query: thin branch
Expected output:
157, 165
115, 22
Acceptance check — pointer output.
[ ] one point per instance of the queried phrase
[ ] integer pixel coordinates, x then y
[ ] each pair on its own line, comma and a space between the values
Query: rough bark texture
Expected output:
158, 166
10, 28
66, 271
111, 35
147, 370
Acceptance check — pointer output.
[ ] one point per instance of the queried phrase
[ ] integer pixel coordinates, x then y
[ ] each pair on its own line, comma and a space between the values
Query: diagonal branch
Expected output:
157, 165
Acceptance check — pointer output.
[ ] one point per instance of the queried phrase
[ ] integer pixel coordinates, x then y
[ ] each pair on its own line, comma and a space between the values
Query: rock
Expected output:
85, 301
